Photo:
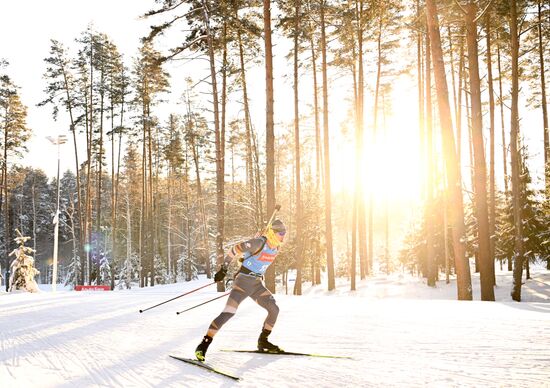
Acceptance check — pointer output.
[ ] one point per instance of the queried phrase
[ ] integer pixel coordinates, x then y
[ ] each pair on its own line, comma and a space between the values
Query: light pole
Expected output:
61, 139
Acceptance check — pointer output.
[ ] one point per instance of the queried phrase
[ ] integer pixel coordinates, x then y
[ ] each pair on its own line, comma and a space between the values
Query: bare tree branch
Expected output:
482, 14
461, 7
181, 48
162, 10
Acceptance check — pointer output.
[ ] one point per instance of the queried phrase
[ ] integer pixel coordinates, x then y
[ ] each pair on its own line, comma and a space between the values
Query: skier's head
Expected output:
275, 233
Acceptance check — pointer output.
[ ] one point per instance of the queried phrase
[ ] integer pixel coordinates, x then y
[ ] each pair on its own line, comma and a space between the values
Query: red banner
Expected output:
92, 288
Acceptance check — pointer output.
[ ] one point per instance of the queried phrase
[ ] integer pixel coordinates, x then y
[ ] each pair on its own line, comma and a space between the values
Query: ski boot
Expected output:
264, 345
200, 351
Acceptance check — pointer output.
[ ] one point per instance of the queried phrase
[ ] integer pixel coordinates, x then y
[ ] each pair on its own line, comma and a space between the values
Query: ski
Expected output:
204, 365
283, 353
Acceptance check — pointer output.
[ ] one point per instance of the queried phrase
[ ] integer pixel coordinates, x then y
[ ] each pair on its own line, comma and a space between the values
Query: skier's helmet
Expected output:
276, 233
278, 227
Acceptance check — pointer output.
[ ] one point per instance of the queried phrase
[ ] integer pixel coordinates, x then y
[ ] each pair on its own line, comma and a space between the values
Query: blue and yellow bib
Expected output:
259, 262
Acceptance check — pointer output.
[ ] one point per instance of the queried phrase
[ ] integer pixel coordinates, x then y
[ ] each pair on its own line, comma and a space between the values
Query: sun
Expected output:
395, 162
391, 164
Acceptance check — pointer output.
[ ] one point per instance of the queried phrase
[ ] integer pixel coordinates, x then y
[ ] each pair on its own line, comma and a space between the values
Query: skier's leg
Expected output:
239, 292
241, 289
265, 299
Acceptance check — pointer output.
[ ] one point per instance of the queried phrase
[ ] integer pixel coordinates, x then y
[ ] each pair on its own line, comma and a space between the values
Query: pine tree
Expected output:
515, 152
188, 268
22, 268
535, 223
61, 91
129, 272
14, 133
504, 228
104, 268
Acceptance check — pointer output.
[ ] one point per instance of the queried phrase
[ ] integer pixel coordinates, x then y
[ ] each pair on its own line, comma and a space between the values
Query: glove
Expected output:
220, 275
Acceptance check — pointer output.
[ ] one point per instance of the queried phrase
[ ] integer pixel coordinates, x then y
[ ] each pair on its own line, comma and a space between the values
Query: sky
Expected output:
26, 28
398, 331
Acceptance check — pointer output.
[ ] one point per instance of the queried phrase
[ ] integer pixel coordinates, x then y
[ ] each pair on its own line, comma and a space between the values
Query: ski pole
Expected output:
208, 301
179, 296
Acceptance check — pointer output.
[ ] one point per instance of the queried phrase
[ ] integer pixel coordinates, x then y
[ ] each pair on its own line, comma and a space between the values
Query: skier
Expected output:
258, 254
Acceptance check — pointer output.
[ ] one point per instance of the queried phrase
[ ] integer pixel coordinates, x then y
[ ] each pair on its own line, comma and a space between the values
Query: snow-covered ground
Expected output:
398, 331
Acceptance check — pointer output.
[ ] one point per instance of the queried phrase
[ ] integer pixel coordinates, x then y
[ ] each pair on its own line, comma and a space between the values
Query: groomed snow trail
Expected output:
99, 339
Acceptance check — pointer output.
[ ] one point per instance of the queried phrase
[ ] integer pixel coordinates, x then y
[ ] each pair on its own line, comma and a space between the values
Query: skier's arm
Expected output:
238, 250
232, 253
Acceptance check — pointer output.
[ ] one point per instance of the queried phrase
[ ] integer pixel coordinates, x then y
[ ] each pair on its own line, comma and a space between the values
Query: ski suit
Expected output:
257, 257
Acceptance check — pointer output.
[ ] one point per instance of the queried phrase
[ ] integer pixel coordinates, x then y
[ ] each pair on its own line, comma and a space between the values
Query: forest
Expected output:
397, 137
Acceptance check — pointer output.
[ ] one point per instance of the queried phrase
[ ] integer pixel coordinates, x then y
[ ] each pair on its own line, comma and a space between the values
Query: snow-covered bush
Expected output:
161, 273
129, 271
73, 271
104, 269
22, 268
188, 268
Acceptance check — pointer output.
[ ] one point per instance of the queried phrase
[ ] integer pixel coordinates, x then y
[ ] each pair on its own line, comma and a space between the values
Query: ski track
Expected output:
88, 339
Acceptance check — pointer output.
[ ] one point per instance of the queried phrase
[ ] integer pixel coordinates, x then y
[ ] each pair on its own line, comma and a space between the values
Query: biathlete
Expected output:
258, 254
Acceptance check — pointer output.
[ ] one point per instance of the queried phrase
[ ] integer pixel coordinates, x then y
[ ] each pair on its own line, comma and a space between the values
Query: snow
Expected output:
398, 331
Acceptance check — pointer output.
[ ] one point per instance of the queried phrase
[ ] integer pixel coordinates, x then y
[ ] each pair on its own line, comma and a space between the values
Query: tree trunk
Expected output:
316, 276
4, 189
219, 152
421, 98
515, 156
113, 187
151, 237
358, 140
89, 166
33, 212
143, 215
464, 283
128, 234
365, 252
200, 198
328, 205
353, 270
298, 221
270, 129
503, 135
72, 228
468, 105
100, 164
248, 134
386, 200
453, 80
119, 152
446, 237
492, 189
480, 169
544, 104
459, 107
257, 174
431, 265
220, 167
169, 226
77, 166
